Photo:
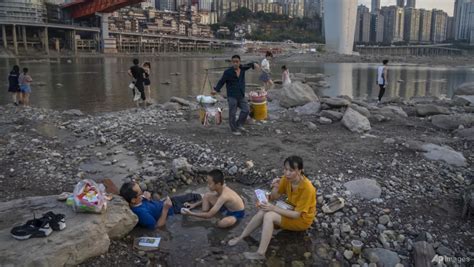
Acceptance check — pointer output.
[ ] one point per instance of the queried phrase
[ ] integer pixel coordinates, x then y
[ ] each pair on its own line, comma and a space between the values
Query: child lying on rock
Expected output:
221, 199
153, 213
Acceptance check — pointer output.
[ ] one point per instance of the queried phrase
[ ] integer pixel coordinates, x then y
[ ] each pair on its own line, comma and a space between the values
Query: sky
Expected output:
446, 5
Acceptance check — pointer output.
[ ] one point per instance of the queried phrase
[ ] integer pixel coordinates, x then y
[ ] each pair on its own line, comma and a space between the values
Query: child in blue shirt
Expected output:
153, 213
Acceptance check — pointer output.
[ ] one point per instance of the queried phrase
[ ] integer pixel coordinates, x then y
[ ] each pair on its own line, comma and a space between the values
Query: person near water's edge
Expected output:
222, 199
382, 79
234, 79
14, 85
138, 74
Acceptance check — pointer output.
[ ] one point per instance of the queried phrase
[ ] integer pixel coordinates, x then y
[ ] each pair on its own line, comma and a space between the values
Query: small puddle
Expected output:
190, 241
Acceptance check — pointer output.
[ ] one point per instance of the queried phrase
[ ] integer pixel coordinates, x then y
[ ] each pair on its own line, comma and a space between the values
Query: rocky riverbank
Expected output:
391, 175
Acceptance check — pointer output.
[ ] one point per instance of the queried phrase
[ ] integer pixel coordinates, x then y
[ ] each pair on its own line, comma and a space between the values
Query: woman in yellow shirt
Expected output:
300, 193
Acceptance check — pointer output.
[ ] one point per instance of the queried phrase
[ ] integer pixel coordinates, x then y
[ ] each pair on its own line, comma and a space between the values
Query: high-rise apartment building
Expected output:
393, 24
362, 33
401, 3
425, 25
313, 8
411, 3
439, 26
463, 19
450, 29
376, 28
375, 6
412, 25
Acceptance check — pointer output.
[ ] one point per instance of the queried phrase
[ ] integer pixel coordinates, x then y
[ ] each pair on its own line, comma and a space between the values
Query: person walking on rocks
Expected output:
147, 82
138, 74
234, 79
14, 84
265, 66
301, 195
382, 79
25, 87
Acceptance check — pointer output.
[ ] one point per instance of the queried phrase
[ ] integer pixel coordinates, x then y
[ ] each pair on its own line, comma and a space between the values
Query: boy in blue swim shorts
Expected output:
221, 199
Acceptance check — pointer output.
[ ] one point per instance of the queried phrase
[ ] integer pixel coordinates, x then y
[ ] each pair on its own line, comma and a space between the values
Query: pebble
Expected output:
348, 254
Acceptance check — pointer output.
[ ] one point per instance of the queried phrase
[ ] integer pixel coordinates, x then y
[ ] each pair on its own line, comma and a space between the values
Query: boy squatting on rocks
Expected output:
153, 213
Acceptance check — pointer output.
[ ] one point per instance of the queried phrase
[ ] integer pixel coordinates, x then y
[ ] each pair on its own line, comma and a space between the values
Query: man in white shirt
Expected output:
382, 79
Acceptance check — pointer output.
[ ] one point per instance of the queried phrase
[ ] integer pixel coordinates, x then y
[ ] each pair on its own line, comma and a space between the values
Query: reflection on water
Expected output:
101, 84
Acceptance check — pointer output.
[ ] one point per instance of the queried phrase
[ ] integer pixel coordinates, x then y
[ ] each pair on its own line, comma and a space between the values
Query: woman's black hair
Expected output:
147, 64
295, 163
269, 54
283, 67
25, 70
16, 69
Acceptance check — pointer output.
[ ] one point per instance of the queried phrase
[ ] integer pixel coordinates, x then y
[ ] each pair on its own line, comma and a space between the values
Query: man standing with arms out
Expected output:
234, 79
138, 74
382, 79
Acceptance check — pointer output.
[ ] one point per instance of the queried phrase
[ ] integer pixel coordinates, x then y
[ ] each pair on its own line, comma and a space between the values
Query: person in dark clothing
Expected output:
14, 84
138, 74
234, 79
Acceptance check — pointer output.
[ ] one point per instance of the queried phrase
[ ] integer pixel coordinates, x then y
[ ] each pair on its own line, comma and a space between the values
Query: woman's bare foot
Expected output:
234, 241
253, 256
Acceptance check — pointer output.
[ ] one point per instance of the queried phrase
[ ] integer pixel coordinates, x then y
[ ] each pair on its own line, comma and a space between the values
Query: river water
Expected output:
101, 84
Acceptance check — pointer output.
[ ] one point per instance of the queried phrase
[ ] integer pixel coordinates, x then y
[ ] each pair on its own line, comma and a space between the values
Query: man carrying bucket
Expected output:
234, 79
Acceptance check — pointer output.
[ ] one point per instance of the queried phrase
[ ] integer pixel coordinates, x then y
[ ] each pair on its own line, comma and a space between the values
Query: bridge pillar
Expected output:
72, 41
4, 37
25, 44
15, 43
46, 40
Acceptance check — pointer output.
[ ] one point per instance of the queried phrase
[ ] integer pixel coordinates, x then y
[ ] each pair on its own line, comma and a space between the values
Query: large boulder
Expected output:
464, 100
297, 94
362, 110
312, 108
390, 111
430, 109
365, 188
336, 102
465, 89
86, 235
382, 257
444, 153
355, 122
452, 122
333, 115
